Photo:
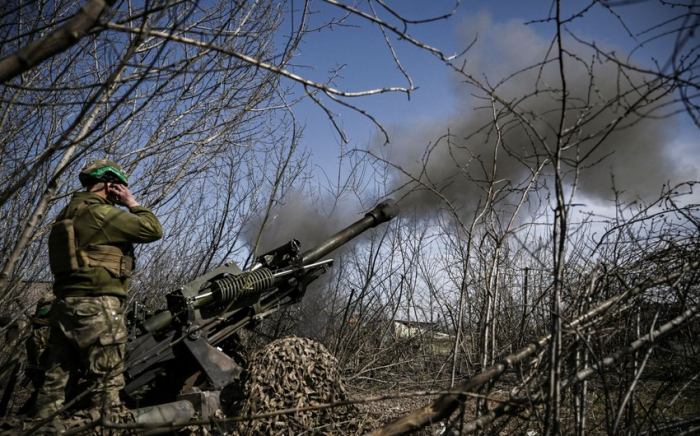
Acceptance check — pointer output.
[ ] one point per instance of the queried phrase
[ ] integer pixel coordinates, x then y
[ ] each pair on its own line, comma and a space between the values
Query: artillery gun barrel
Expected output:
230, 289
383, 212
248, 284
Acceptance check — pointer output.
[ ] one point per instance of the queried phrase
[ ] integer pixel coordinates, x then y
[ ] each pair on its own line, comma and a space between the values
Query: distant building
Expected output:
428, 335
412, 329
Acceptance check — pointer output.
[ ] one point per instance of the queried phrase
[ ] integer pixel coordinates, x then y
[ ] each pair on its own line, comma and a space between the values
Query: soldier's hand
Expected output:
120, 194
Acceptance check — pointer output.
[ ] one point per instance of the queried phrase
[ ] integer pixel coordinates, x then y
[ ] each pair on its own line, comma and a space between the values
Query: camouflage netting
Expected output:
294, 373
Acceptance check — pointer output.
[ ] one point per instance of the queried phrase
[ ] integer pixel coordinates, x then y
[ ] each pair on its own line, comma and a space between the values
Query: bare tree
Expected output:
195, 99
544, 140
555, 316
166, 89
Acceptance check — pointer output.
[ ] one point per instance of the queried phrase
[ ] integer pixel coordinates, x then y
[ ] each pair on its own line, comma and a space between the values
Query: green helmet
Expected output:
103, 170
43, 306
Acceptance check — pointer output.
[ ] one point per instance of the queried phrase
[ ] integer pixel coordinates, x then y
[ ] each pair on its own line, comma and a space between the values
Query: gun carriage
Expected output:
180, 348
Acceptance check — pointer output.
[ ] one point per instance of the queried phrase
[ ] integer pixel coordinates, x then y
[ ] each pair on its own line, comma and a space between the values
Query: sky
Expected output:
645, 157
506, 36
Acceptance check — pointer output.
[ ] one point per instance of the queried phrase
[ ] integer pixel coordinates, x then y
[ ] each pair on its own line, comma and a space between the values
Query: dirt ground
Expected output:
384, 402
387, 410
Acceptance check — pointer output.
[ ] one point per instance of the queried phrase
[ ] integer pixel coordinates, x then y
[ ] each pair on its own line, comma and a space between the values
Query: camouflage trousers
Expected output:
36, 346
88, 340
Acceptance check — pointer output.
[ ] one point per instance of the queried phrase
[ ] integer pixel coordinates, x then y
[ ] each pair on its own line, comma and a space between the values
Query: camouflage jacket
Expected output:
100, 224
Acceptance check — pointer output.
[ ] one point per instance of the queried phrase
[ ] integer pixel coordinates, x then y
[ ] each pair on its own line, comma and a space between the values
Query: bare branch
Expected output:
56, 42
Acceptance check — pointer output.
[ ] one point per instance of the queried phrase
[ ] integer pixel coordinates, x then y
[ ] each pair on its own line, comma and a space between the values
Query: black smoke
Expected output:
503, 132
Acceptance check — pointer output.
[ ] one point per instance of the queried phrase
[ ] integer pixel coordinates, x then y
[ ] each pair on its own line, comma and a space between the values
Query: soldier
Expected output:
38, 340
37, 349
91, 254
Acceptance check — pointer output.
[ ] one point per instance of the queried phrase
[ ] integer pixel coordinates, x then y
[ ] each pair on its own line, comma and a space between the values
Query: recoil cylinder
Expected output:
243, 286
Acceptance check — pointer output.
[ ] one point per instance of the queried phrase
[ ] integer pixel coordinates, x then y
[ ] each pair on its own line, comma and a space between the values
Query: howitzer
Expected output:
182, 344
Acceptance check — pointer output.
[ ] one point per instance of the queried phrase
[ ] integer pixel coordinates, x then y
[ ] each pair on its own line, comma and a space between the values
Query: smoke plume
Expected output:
301, 217
502, 133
